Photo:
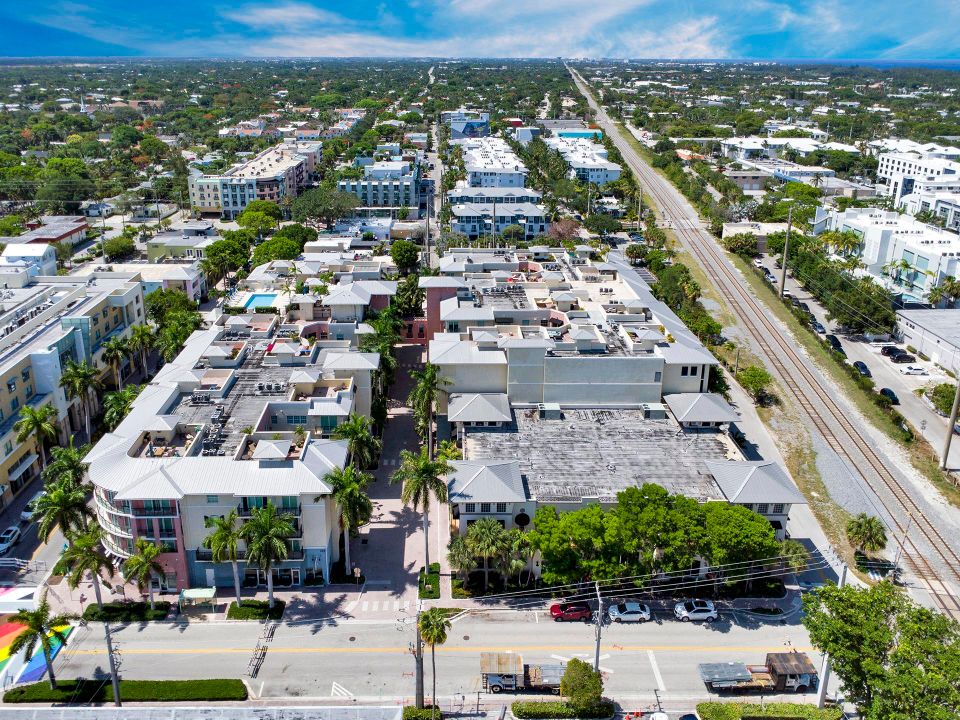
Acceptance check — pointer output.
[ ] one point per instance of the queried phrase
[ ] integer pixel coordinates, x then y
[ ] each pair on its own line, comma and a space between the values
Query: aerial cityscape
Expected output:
480, 360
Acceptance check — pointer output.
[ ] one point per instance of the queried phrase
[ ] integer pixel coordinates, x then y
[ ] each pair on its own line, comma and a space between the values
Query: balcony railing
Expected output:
204, 555
245, 512
155, 512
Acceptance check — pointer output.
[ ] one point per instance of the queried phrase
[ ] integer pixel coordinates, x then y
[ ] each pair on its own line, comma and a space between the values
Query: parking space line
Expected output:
656, 671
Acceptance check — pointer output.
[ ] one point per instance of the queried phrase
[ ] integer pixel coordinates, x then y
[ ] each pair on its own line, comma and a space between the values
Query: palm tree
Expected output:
266, 534
947, 291
84, 556
67, 463
41, 627
223, 543
64, 505
143, 566
80, 380
487, 539
353, 503
422, 399
422, 479
141, 340
116, 405
361, 443
433, 626
794, 555
460, 557
115, 351
867, 533
41, 423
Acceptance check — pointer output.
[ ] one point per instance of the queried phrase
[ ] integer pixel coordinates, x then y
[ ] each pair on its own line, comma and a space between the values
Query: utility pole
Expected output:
596, 656
825, 667
786, 250
427, 233
953, 422
114, 678
418, 659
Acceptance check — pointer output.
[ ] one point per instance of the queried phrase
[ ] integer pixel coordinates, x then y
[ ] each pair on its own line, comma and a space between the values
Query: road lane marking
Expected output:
656, 671
338, 690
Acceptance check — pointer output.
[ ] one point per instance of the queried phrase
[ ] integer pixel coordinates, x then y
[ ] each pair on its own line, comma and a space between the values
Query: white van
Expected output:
26, 515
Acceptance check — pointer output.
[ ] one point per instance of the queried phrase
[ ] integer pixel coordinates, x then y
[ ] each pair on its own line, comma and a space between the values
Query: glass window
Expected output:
213, 499
470, 507
684, 370
501, 508
484, 507
762, 508
778, 508
14, 404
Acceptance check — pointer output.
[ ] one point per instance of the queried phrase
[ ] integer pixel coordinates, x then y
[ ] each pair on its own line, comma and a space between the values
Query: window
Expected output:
684, 370
213, 499
694, 371
25, 374
14, 404
657, 376
470, 507
29, 391
762, 508
748, 506
8, 447
501, 508
778, 508
484, 507
12, 385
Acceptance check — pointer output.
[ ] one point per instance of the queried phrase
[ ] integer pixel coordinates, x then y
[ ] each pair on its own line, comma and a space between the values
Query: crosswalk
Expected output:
384, 605
390, 462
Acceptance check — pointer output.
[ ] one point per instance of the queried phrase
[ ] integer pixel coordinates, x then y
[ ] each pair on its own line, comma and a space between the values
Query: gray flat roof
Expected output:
945, 324
594, 454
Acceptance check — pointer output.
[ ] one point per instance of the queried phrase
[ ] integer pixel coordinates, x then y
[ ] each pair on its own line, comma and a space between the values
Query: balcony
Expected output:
204, 555
245, 512
155, 512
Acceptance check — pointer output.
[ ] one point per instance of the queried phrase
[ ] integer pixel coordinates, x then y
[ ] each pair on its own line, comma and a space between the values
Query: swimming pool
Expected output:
260, 300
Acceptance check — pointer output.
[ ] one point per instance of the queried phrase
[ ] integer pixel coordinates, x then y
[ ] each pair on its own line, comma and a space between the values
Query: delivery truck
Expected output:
506, 672
783, 672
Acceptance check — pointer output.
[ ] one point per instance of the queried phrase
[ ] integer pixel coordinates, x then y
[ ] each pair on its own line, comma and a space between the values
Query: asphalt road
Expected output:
371, 661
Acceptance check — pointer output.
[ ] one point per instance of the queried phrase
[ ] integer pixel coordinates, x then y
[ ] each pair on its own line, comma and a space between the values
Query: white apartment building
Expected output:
491, 162
463, 193
944, 205
587, 160
899, 172
278, 172
887, 238
386, 184
477, 219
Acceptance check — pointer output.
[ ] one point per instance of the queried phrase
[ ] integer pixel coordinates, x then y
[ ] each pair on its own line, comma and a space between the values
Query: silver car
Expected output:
629, 612
695, 610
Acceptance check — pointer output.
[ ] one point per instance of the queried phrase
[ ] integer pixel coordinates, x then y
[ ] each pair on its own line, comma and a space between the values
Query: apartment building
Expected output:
463, 193
466, 123
944, 205
278, 172
491, 162
477, 219
182, 275
388, 184
43, 325
52, 229
21, 263
242, 417
187, 240
899, 172
587, 160
904, 255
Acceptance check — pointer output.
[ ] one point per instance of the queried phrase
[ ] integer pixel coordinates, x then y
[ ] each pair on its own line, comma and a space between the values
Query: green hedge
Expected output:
429, 586
738, 710
85, 691
127, 612
548, 709
427, 713
256, 610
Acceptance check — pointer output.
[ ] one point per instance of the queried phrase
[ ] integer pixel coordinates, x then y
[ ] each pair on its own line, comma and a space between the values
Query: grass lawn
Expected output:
429, 584
126, 612
255, 610
87, 691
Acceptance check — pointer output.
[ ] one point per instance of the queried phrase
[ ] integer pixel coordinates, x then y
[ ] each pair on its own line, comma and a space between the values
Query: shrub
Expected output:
118, 248
126, 612
533, 710
256, 610
86, 691
737, 710
426, 713
583, 687
429, 585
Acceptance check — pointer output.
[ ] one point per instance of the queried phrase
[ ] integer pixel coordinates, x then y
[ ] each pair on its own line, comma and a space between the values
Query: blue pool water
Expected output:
260, 300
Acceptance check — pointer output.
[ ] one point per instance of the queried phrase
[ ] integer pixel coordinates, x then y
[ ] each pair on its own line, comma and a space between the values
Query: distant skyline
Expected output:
877, 30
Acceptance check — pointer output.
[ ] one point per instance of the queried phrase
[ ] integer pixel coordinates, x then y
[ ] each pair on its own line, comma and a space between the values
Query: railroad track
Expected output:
805, 388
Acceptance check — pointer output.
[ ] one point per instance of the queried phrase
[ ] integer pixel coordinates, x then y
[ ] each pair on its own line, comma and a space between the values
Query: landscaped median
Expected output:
256, 610
124, 612
738, 710
97, 691
559, 710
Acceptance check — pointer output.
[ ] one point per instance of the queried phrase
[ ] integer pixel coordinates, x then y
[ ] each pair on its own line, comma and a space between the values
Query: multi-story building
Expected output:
242, 417
187, 240
587, 160
182, 275
53, 229
945, 205
491, 162
463, 193
278, 172
899, 172
477, 219
386, 184
465, 123
42, 326
903, 254
20, 263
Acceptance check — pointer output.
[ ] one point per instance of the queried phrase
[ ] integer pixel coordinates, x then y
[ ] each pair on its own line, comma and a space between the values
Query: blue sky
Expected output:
813, 29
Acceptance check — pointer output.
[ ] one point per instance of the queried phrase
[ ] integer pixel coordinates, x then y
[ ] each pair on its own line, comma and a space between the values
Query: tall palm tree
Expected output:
433, 625
141, 340
115, 351
794, 555
143, 566
867, 533
460, 557
65, 506
223, 543
86, 555
67, 463
487, 539
422, 399
422, 479
39, 422
80, 380
353, 503
266, 534
361, 443
116, 405
41, 627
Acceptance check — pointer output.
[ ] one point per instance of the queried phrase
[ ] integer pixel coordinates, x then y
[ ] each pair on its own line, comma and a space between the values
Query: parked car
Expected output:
891, 350
758, 263
695, 610
890, 395
629, 612
817, 327
834, 341
564, 612
903, 357
913, 370
9, 538
810, 585
26, 515
862, 368
803, 306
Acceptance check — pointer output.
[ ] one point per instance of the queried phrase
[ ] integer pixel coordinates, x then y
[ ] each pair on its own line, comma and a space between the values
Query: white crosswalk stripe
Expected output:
338, 690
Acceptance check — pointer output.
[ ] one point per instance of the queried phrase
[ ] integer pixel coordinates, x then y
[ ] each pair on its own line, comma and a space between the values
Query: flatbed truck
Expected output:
506, 672
783, 672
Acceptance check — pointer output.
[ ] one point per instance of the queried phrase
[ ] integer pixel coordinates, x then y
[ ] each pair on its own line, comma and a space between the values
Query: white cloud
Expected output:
288, 16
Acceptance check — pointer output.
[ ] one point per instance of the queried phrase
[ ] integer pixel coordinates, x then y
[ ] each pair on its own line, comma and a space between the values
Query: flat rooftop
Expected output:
595, 454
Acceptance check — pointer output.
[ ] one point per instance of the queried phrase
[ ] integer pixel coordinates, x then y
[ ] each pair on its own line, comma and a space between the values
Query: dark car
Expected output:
565, 612
862, 368
817, 327
903, 358
890, 395
803, 306
890, 350
834, 341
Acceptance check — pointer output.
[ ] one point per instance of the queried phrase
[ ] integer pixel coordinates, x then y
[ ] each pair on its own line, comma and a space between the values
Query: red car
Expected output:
563, 612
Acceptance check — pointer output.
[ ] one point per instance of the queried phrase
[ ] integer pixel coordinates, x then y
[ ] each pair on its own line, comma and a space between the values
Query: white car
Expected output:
629, 612
695, 610
913, 370
9, 538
